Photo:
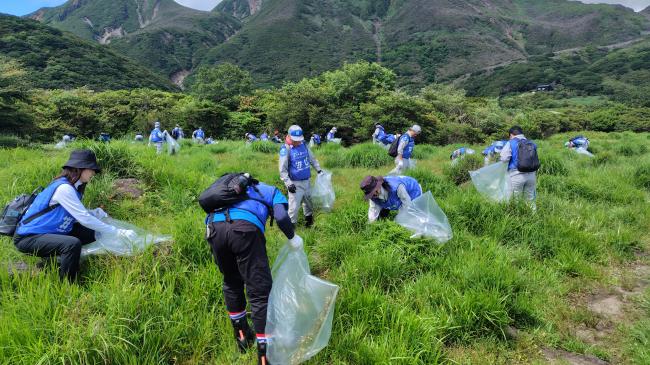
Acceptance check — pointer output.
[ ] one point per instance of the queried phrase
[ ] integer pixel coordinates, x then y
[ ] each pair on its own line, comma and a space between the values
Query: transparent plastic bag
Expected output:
115, 245
335, 140
322, 192
172, 146
583, 151
425, 218
492, 181
300, 310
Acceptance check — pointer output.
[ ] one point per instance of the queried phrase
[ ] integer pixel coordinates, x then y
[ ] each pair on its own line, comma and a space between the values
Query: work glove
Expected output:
296, 242
98, 213
292, 188
320, 172
127, 234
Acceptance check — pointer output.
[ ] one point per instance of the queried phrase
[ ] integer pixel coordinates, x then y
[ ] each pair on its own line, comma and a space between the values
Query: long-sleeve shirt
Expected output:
375, 135
506, 152
281, 216
66, 196
284, 165
374, 209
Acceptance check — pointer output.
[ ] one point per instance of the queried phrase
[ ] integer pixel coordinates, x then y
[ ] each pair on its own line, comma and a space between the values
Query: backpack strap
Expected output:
41, 213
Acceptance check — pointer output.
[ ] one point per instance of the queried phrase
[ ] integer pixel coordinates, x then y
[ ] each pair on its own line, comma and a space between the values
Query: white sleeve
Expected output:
506, 153
373, 211
403, 195
66, 196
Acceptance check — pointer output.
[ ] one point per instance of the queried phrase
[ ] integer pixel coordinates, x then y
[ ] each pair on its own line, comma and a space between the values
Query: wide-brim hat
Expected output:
370, 185
83, 159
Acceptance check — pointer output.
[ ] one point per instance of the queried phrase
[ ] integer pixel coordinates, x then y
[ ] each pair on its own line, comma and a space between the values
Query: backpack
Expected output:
527, 159
392, 151
16, 209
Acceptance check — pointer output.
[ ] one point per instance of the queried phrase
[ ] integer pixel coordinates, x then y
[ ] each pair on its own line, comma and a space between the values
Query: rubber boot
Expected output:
244, 335
261, 354
309, 221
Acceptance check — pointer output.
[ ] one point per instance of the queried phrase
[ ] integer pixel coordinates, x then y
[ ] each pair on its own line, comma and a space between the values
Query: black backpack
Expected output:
527, 159
16, 209
392, 151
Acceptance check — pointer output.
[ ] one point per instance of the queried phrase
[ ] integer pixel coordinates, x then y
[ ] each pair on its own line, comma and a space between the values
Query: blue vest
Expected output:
579, 141
389, 139
299, 162
316, 139
264, 137
459, 152
408, 150
252, 138
254, 210
494, 148
393, 202
156, 135
330, 136
199, 133
380, 137
58, 221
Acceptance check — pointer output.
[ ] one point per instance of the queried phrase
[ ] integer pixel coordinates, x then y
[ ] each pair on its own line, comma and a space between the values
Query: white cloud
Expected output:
199, 4
637, 5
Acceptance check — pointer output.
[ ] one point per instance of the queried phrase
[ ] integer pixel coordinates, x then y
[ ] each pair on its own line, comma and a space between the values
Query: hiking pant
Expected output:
68, 247
301, 196
239, 250
400, 166
523, 184
159, 146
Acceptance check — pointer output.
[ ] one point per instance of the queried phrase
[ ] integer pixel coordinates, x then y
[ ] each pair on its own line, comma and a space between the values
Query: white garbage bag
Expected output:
173, 147
425, 218
322, 192
300, 310
492, 181
335, 140
112, 244
583, 151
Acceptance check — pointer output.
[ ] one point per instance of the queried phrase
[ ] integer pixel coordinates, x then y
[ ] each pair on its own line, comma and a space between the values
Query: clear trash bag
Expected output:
425, 218
172, 146
300, 310
583, 151
492, 181
322, 192
335, 140
112, 244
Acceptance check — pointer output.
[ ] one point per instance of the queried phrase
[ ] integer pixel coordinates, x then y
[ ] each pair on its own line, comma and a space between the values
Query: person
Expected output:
236, 237
177, 132
66, 139
388, 193
209, 140
382, 138
58, 224
331, 134
492, 151
104, 137
314, 140
460, 153
139, 137
405, 150
250, 138
579, 141
521, 183
276, 137
296, 160
264, 137
157, 137
198, 135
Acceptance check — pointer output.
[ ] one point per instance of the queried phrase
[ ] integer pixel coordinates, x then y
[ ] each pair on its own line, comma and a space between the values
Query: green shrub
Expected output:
265, 147
438, 185
12, 141
642, 175
459, 172
116, 157
362, 155
552, 165
423, 151
603, 158
630, 150
218, 148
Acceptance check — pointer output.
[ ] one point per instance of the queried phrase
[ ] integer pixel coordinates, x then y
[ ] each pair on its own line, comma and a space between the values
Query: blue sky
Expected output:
22, 7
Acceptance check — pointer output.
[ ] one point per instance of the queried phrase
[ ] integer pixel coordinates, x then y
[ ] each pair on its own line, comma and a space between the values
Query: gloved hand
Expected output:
320, 172
292, 188
98, 213
127, 234
296, 242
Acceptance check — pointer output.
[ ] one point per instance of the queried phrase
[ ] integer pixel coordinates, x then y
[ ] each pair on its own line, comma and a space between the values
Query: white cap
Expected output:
416, 128
295, 133
157, 124
334, 129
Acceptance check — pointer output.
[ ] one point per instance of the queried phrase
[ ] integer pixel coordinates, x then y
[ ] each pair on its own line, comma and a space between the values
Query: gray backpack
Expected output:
16, 209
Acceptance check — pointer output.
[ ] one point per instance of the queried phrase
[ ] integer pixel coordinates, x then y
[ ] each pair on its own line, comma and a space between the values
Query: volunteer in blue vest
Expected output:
104, 137
157, 137
331, 134
458, 154
276, 137
295, 170
578, 142
58, 224
405, 150
314, 140
198, 135
239, 249
139, 137
382, 138
389, 193
521, 183
177, 132
492, 151
250, 137
264, 137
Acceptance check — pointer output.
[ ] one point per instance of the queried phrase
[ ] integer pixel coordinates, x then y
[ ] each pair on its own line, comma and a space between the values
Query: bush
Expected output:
552, 165
115, 157
363, 155
459, 172
642, 176
438, 185
12, 141
265, 147
423, 151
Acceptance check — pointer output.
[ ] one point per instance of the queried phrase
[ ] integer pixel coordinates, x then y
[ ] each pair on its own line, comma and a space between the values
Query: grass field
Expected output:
508, 287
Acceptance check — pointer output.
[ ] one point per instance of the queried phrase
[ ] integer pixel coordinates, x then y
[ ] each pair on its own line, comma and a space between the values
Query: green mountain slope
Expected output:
161, 34
56, 59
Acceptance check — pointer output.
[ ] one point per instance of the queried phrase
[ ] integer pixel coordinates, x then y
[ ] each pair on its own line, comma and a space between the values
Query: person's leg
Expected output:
85, 235
516, 187
398, 167
530, 189
307, 204
159, 146
295, 200
48, 245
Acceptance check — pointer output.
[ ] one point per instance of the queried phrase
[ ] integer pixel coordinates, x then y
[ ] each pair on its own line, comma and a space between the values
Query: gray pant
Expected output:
401, 166
159, 146
523, 184
302, 195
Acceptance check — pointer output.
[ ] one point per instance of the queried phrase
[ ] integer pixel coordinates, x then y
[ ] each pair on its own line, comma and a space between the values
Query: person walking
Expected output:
523, 163
157, 137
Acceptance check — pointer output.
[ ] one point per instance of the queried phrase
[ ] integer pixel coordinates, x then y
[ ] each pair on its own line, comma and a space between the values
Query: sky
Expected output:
22, 7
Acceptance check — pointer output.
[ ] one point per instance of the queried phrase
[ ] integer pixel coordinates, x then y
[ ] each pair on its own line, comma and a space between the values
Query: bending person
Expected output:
389, 193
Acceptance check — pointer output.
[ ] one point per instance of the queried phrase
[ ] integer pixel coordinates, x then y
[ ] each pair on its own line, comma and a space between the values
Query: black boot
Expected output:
309, 221
261, 354
244, 335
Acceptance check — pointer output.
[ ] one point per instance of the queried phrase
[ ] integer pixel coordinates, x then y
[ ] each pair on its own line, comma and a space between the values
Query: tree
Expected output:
13, 91
223, 84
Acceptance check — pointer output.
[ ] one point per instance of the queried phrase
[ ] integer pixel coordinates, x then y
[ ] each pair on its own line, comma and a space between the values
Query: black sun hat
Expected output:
370, 185
83, 159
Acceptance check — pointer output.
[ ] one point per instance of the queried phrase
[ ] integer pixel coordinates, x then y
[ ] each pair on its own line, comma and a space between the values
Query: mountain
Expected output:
422, 40
161, 34
56, 59
646, 12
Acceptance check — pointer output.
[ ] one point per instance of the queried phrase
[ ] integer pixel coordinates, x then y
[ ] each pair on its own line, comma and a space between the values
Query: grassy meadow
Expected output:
401, 301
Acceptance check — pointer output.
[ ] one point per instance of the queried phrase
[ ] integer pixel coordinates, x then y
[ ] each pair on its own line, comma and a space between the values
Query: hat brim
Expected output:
297, 138
83, 165
380, 182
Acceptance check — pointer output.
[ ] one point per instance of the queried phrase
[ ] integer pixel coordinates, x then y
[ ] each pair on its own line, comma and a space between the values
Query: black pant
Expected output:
239, 249
68, 247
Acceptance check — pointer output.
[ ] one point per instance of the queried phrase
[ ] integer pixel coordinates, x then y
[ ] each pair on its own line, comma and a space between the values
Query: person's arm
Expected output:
375, 134
282, 218
401, 146
284, 166
403, 195
506, 153
373, 211
66, 196
313, 160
